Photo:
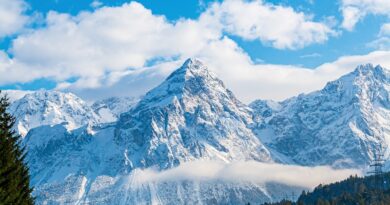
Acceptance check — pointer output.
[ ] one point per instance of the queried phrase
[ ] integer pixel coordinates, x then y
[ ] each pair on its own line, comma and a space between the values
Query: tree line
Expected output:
352, 191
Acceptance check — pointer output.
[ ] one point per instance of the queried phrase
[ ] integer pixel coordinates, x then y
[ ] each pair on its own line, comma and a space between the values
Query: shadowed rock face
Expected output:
340, 125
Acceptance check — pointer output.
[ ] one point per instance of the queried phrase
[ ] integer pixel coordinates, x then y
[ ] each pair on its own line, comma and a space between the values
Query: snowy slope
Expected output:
190, 116
126, 189
51, 108
111, 108
341, 125
86, 166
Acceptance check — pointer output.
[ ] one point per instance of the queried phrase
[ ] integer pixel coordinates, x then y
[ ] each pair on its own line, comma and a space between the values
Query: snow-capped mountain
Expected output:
190, 116
342, 125
50, 108
111, 108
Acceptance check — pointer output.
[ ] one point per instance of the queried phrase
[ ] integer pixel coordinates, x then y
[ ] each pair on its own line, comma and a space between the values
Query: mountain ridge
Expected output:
49, 108
341, 125
198, 119
193, 116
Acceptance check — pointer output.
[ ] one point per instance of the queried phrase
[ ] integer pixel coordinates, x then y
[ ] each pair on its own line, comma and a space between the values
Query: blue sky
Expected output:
329, 38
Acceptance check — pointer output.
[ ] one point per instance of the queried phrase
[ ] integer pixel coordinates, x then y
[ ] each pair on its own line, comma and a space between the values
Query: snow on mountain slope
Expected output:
86, 166
50, 108
54, 152
342, 124
111, 108
190, 116
129, 189
265, 108
262, 110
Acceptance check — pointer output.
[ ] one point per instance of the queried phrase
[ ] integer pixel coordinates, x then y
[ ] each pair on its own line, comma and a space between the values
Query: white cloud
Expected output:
12, 17
130, 83
279, 26
96, 4
385, 30
248, 80
354, 10
351, 16
311, 55
383, 40
15, 94
110, 39
250, 171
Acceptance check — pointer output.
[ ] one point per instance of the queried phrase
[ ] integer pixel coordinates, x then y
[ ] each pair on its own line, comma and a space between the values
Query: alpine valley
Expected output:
109, 152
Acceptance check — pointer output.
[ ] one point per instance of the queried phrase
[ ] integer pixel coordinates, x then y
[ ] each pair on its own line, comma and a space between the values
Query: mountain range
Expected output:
80, 153
342, 125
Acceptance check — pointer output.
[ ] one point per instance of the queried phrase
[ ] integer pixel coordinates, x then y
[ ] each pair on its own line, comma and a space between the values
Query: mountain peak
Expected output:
45, 107
192, 67
364, 77
190, 115
193, 63
52, 96
344, 122
364, 67
367, 69
191, 79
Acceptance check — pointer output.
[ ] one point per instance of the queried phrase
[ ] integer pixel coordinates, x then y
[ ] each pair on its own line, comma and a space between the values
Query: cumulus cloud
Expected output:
279, 26
110, 41
131, 83
268, 81
383, 40
354, 10
12, 17
250, 171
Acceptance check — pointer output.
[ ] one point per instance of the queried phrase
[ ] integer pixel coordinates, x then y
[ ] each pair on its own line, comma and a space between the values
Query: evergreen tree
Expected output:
352, 191
14, 176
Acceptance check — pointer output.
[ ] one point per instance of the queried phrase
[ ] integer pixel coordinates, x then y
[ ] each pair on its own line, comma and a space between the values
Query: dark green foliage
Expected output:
283, 202
14, 176
352, 191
